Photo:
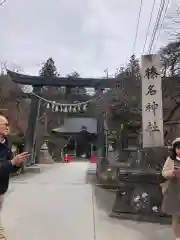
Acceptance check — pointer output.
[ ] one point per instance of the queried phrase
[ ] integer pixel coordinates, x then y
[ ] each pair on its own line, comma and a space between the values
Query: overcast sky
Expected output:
83, 35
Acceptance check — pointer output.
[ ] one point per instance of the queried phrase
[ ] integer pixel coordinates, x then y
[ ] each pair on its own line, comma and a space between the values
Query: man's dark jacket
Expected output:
5, 165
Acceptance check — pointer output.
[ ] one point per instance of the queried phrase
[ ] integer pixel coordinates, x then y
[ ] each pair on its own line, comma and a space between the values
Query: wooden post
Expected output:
32, 120
101, 137
45, 124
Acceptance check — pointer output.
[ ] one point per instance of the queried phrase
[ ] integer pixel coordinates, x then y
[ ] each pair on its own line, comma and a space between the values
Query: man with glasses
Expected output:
8, 163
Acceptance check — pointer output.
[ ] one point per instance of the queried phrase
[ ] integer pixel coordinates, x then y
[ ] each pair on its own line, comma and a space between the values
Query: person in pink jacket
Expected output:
171, 191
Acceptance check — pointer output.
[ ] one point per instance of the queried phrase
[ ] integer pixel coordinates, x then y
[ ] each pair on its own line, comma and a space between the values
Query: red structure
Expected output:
93, 159
67, 158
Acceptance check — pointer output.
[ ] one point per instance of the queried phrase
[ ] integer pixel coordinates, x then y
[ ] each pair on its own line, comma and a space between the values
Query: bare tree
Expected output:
16, 108
172, 22
2, 2
170, 56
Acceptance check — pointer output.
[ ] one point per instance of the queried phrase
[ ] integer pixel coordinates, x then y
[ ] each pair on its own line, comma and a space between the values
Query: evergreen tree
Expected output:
133, 67
49, 69
73, 75
77, 90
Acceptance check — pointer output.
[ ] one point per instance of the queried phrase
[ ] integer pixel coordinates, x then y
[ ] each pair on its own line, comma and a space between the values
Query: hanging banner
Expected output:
152, 111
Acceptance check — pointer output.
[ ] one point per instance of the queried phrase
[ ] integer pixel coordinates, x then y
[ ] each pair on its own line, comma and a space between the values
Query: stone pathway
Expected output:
58, 204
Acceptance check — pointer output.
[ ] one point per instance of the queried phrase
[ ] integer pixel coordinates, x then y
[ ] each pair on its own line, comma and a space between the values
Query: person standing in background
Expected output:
171, 188
8, 163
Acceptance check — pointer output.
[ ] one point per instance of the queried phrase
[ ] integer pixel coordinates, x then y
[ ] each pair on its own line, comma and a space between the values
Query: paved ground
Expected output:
58, 204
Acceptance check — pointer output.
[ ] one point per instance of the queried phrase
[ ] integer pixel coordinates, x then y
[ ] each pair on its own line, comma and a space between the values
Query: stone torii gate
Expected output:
38, 82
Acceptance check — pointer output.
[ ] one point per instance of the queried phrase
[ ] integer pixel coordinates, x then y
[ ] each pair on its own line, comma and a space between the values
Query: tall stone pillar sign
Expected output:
152, 111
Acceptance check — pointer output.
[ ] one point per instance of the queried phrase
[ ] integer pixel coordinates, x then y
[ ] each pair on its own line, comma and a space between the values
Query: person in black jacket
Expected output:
8, 163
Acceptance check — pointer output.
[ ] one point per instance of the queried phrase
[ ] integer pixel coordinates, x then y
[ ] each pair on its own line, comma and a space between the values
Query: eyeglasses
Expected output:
5, 124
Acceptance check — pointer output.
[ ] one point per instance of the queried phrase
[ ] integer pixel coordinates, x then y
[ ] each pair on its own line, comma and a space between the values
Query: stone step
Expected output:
33, 169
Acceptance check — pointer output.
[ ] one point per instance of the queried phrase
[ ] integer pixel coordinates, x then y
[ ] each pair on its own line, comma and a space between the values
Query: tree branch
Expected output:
172, 112
2, 2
